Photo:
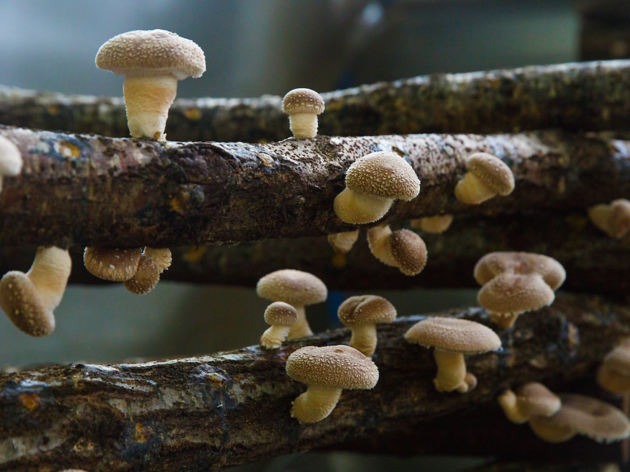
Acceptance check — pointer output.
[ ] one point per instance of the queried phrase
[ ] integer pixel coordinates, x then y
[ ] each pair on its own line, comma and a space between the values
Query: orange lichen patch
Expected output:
194, 254
179, 202
193, 114
53, 109
67, 149
141, 433
339, 260
30, 400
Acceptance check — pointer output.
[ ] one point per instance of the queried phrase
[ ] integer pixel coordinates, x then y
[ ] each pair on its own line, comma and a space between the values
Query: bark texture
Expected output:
91, 190
232, 408
578, 96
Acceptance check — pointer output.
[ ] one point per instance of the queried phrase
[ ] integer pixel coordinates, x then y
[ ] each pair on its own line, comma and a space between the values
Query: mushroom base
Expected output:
364, 339
451, 374
303, 125
504, 320
343, 242
301, 328
148, 100
274, 336
360, 208
472, 190
315, 404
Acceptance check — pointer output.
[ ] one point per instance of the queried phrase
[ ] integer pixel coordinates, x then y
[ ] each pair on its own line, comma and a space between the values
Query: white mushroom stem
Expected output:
378, 240
148, 100
315, 404
470, 382
274, 336
49, 274
301, 328
451, 374
504, 320
360, 208
364, 338
303, 125
510, 405
472, 190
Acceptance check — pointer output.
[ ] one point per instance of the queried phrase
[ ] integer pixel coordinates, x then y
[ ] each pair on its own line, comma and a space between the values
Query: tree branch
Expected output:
232, 408
578, 96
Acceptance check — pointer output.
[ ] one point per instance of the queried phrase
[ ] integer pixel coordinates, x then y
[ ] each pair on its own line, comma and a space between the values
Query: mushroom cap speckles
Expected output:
525, 263
409, 251
468, 337
366, 309
383, 174
21, 302
10, 158
155, 52
515, 293
302, 100
146, 278
294, 287
112, 264
492, 171
280, 314
332, 366
537, 400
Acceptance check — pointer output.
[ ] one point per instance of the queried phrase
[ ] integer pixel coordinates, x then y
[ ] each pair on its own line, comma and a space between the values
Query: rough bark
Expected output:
232, 408
91, 190
578, 96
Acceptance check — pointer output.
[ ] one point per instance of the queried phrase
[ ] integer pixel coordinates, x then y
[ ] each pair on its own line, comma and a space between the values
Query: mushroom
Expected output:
343, 242
579, 414
296, 288
112, 264
152, 263
614, 372
433, 224
531, 399
452, 339
327, 371
281, 316
29, 299
152, 62
613, 219
10, 159
516, 282
360, 314
373, 182
403, 249
303, 105
487, 177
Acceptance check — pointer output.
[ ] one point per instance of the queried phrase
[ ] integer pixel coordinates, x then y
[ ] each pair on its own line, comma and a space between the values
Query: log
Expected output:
89, 190
578, 96
232, 408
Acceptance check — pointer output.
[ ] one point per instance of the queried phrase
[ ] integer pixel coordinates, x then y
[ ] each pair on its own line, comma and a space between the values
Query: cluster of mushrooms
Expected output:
512, 283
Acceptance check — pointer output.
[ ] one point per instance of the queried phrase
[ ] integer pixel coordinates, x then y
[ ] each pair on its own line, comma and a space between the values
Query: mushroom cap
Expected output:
619, 218
409, 251
366, 309
294, 287
112, 264
515, 293
154, 52
496, 263
10, 158
280, 314
302, 100
332, 366
146, 278
537, 400
492, 171
452, 334
383, 174
614, 373
23, 304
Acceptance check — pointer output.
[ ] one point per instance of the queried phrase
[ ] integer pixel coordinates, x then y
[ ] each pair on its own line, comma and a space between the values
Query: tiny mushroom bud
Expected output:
613, 219
531, 399
152, 62
29, 299
303, 105
360, 314
296, 288
327, 371
452, 338
403, 249
281, 316
373, 182
590, 417
343, 242
433, 224
112, 264
487, 177
152, 263
614, 372
10, 159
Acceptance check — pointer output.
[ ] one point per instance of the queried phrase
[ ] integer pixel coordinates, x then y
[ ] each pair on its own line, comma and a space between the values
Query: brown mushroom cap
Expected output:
537, 400
10, 158
294, 287
468, 337
366, 309
525, 263
383, 174
112, 264
155, 52
515, 294
22, 302
409, 251
302, 100
492, 171
146, 278
332, 366
280, 314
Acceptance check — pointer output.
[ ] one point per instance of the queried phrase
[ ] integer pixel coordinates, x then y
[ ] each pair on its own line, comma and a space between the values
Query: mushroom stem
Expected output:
148, 100
451, 374
364, 338
509, 403
504, 320
274, 336
301, 328
625, 445
378, 240
49, 274
360, 208
315, 404
303, 125
472, 190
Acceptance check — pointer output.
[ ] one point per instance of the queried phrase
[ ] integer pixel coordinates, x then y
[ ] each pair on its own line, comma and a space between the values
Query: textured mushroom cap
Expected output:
383, 174
537, 400
21, 301
146, 278
514, 293
492, 171
10, 158
409, 251
294, 287
619, 218
161, 256
112, 264
496, 263
468, 337
366, 309
280, 314
614, 373
332, 366
302, 100
155, 52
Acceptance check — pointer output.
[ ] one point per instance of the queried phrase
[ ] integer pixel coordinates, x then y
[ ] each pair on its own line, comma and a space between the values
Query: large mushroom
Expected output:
487, 177
529, 400
403, 249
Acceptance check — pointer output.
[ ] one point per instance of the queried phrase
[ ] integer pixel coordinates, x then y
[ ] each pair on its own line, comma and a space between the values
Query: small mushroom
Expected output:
327, 371
296, 288
152, 62
361, 314
433, 224
281, 316
613, 219
116, 265
579, 414
453, 338
152, 263
531, 399
487, 177
614, 372
373, 182
10, 159
343, 242
403, 249
303, 105
29, 299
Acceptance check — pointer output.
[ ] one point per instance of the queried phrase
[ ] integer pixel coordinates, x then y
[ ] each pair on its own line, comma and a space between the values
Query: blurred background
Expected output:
256, 47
